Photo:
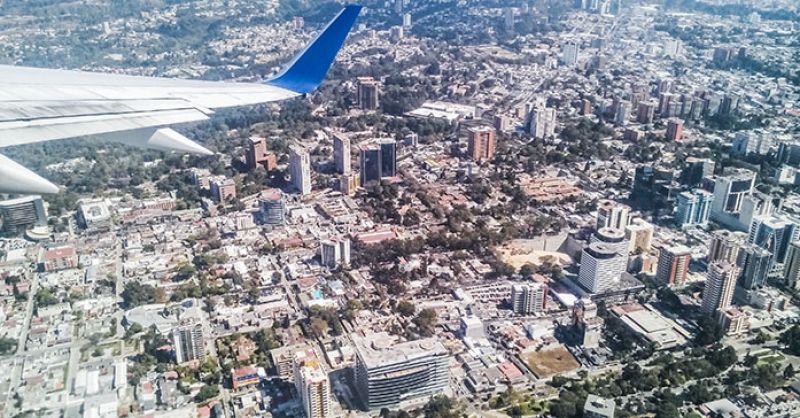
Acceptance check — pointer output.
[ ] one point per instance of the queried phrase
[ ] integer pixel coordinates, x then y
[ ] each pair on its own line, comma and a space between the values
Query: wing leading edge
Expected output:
41, 104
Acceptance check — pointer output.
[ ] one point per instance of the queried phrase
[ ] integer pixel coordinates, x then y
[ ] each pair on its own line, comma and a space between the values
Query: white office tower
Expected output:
528, 299
312, 385
569, 53
730, 192
604, 261
725, 246
393, 374
188, 343
407, 20
614, 237
774, 233
623, 113
542, 122
300, 169
335, 252
341, 154
791, 270
611, 214
721, 281
673, 48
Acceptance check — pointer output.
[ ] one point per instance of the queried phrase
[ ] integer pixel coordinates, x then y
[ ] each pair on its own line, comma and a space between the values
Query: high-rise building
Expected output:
696, 170
693, 208
604, 260
755, 264
791, 271
654, 188
614, 237
645, 112
673, 265
542, 122
748, 143
721, 281
393, 374
725, 246
622, 113
23, 211
300, 169
586, 322
397, 34
481, 143
407, 20
774, 233
733, 321
201, 178
664, 101
312, 385
370, 163
639, 234
569, 53
528, 299
730, 192
348, 183
257, 154
674, 130
672, 48
334, 252
368, 93
508, 14
223, 189
788, 153
611, 214
188, 343
388, 157
271, 207
341, 154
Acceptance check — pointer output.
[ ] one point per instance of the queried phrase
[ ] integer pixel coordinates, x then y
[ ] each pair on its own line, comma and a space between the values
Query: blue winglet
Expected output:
307, 70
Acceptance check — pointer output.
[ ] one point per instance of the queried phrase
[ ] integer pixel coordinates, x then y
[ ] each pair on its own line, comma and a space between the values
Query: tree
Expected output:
791, 340
789, 372
527, 270
136, 294
132, 330
319, 326
426, 320
206, 392
44, 297
698, 394
710, 331
405, 308
7, 345
563, 409
441, 407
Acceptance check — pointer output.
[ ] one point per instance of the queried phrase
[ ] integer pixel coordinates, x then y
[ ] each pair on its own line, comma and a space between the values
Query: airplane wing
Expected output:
42, 105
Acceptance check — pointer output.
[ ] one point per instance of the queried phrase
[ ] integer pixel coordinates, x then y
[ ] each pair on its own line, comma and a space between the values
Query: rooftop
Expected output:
381, 349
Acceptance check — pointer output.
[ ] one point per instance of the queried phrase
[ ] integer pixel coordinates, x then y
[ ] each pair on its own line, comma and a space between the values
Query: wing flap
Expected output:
28, 132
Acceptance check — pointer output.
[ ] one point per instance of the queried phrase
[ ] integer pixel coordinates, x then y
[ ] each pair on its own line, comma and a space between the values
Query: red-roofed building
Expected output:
376, 236
58, 258
244, 376
510, 372
203, 412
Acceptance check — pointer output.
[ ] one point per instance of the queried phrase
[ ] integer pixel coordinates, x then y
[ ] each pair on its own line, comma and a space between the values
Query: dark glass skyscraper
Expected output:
388, 158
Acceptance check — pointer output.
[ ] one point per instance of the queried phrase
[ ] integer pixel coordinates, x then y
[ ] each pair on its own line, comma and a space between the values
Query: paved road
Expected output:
16, 370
